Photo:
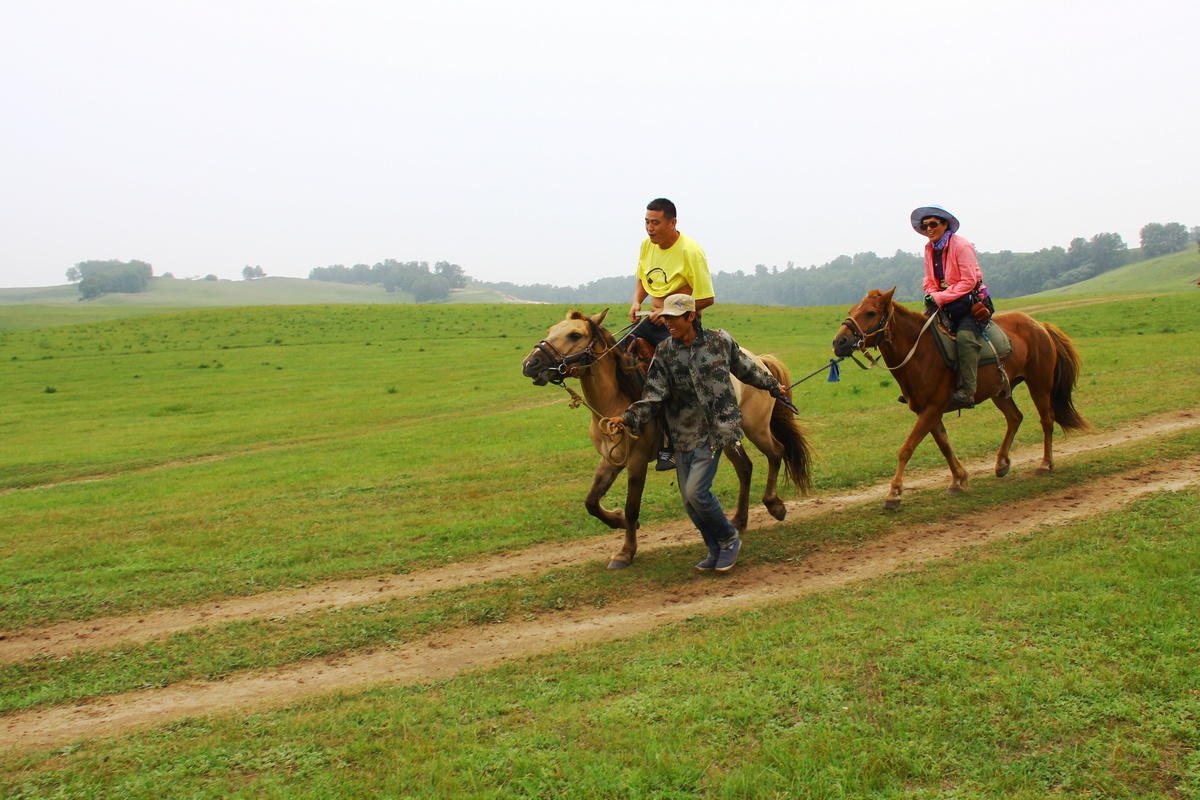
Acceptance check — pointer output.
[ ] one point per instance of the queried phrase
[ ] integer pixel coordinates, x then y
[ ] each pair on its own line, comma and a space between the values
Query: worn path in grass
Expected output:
754, 584
65, 638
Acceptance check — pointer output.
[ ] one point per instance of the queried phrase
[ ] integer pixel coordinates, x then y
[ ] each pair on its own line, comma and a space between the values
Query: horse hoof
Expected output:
615, 564
1002, 471
1044, 470
954, 490
891, 505
777, 510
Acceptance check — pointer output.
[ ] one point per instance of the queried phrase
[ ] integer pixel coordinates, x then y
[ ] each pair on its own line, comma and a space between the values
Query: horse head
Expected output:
567, 350
865, 323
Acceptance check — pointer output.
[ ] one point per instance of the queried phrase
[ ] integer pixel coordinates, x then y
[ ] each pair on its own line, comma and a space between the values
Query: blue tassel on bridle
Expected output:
834, 373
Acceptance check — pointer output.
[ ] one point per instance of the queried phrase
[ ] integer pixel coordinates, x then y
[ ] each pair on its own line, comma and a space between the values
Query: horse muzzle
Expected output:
845, 343
535, 367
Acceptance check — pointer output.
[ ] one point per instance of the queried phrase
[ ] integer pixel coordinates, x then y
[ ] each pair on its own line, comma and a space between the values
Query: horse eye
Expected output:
575, 337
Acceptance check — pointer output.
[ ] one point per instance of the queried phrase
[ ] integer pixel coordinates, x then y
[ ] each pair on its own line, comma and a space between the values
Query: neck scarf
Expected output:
940, 244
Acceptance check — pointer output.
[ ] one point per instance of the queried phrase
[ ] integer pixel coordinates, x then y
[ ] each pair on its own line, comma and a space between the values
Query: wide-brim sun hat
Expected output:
921, 213
677, 305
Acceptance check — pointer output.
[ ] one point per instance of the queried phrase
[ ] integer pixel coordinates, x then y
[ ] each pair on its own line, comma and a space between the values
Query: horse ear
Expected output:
599, 318
887, 296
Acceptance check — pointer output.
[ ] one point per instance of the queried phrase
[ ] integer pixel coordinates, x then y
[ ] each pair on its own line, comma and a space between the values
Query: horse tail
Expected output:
1067, 366
797, 453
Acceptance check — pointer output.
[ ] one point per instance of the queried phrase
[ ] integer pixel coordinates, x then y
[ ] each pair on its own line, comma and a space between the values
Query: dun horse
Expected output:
580, 347
1042, 357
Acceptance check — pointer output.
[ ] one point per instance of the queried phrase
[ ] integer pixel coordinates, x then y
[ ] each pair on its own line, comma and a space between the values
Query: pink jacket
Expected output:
960, 268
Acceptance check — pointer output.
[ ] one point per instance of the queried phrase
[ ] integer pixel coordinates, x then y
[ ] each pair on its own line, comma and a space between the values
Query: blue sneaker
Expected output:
708, 563
728, 556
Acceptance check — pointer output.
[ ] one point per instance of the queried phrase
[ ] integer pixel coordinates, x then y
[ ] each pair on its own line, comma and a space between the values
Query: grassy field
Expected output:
1171, 273
60, 305
186, 457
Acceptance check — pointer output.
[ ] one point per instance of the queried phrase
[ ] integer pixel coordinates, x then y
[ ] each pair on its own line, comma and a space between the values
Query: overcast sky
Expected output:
522, 139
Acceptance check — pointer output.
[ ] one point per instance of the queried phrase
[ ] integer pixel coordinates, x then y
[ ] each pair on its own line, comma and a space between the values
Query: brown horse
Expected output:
580, 347
1042, 358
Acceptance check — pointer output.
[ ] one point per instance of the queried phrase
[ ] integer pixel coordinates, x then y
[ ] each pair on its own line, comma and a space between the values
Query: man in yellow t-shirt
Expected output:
670, 263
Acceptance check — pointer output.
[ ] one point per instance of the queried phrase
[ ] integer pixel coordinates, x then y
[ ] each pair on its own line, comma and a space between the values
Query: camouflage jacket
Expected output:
691, 385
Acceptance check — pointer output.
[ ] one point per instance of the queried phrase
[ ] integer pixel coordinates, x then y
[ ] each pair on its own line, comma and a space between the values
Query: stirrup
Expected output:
960, 399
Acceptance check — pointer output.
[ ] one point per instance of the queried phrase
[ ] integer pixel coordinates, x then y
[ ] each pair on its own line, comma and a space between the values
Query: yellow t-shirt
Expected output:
664, 272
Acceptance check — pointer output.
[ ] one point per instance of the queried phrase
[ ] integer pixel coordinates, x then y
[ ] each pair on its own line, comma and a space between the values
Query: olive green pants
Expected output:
967, 347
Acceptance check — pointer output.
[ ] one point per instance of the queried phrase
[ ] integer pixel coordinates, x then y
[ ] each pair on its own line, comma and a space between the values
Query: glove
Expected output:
931, 305
980, 312
783, 401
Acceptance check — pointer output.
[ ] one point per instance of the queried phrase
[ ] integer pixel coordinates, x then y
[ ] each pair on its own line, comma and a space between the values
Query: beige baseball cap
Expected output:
677, 305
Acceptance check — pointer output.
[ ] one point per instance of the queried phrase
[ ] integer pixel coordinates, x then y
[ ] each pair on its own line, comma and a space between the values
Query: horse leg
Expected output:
602, 481
633, 510
770, 447
744, 468
925, 421
1046, 417
959, 477
1013, 416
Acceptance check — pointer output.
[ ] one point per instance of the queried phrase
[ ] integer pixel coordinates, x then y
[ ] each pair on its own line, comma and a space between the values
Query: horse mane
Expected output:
897, 306
630, 380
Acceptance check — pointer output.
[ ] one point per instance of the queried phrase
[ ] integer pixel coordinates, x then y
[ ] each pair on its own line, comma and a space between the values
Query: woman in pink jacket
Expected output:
954, 286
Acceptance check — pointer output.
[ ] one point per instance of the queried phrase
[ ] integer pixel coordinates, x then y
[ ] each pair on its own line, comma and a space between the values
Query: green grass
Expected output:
196, 455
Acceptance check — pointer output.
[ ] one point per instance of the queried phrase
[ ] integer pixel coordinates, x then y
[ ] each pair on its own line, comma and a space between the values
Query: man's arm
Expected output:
701, 302
746, 370
639, 294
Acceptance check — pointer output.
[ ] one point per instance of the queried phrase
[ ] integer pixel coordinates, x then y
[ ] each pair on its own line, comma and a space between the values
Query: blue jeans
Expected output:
694, 471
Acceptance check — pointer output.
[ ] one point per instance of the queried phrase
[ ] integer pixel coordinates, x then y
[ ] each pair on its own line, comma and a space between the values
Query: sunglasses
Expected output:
931, 224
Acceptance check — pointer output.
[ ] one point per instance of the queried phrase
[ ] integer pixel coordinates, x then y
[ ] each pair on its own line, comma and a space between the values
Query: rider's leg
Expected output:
967, 346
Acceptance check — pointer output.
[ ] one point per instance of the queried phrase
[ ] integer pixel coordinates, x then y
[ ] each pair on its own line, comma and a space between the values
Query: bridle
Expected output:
881, 331
573, 365
860, 336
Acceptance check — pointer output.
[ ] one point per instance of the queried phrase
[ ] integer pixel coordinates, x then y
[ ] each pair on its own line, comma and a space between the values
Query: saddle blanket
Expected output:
996, 346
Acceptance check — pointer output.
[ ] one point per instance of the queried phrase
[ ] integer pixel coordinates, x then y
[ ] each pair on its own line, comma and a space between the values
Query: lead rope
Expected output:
621, 439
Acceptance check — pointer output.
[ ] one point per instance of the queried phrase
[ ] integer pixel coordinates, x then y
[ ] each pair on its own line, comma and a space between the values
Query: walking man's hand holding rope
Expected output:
612, 426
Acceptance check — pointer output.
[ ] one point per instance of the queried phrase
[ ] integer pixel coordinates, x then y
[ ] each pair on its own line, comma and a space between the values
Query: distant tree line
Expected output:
410, 276
250, 273
1159, 240
97, 278
845, 279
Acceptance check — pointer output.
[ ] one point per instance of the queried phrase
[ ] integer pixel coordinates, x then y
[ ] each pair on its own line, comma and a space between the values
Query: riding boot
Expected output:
967, 346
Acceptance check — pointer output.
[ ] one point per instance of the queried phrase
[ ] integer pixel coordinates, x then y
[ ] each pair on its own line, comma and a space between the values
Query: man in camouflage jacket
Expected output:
689, 382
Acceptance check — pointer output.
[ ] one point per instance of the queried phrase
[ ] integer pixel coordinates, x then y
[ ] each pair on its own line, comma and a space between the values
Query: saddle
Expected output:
996, 346
643, 352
